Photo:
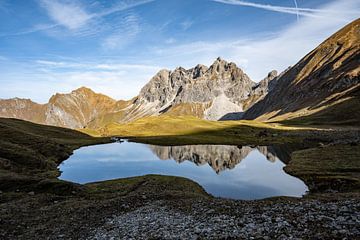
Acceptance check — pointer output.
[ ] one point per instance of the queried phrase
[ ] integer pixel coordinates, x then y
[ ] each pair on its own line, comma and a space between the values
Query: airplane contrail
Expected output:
309, 12
297, 10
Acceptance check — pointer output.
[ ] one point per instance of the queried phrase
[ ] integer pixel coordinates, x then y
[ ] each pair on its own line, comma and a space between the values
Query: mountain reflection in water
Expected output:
219, 157
239, 172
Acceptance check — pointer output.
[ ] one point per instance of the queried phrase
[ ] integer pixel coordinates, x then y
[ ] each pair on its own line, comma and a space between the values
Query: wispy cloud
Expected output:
75, 17
2, 58
308, 12
123, 5
36, 28
170, 41
110, 66
297, 10
71, 15
128, 28
185, 25
258, 56
113, 78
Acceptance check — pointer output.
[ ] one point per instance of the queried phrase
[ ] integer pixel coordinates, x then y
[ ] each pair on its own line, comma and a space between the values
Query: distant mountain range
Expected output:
323, 88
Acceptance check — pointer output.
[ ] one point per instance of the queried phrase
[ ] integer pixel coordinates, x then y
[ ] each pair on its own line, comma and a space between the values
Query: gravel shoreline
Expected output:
225, 219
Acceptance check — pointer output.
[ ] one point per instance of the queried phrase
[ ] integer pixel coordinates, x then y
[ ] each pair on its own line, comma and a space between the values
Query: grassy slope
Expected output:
31, 152
344, 113
190, 130
325, 77
337, 167
169, 130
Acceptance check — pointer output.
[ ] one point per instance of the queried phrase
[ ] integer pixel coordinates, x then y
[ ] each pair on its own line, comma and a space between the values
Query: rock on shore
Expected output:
223, 219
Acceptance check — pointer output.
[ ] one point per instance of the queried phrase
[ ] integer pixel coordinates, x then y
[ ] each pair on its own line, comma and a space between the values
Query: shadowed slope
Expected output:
327, 76
30, 152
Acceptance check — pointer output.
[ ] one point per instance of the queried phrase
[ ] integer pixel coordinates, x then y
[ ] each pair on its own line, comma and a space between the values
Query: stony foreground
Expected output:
223, 219
160, 207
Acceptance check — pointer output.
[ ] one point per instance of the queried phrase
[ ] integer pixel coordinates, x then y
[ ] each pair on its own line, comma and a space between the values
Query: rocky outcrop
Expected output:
326, 77
260, 90
220, 89
219, 92
324, 85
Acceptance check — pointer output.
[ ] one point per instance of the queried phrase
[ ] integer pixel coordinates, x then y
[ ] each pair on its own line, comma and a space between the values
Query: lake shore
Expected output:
35, 204
160, 207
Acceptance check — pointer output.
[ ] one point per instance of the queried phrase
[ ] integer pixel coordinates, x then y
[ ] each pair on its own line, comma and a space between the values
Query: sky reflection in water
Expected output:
223, 171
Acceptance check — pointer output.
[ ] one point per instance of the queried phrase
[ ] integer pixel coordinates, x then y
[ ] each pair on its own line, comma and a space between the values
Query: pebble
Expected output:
279, 220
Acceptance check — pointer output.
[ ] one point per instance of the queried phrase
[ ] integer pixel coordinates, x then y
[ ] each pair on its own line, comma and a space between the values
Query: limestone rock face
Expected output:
324, 84
219, 92
220, 89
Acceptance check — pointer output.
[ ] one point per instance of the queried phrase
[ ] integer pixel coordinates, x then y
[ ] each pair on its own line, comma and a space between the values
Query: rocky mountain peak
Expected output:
327, 77
222, 83
83, 89
271, 75
199, 71
220, 66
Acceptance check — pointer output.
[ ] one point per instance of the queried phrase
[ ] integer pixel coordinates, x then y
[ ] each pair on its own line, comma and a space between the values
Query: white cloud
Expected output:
260, 55
123, 5
122, 81
36, 28
74, 17
185, 25
129, 27
69, 14
170, 41
117, 80
94, 65
120, 84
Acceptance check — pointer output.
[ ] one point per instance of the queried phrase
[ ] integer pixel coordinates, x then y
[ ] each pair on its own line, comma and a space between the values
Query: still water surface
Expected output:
238, 172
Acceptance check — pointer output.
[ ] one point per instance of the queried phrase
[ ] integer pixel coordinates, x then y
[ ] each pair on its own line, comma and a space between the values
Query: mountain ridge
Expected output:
328, 75
320, 88
201, 91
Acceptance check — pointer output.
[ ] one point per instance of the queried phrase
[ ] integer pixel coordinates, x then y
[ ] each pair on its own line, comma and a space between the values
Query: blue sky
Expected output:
116, 46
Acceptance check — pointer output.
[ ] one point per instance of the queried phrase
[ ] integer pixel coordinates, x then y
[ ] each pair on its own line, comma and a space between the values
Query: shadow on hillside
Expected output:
232, 116
346, 113
313, 91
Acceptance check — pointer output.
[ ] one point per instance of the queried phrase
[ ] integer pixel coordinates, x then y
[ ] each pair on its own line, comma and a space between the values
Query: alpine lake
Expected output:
236, 172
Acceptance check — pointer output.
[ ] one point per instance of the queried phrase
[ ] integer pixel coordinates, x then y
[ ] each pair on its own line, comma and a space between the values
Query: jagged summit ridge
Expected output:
198, 85
220, 91
324, 84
